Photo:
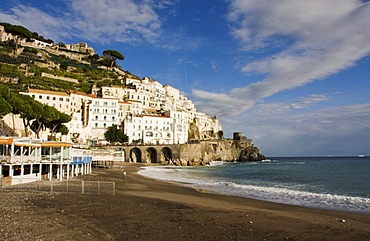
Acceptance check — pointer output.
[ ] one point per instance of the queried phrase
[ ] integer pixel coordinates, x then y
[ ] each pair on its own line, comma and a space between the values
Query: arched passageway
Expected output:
135, 155
166, 155
151, 155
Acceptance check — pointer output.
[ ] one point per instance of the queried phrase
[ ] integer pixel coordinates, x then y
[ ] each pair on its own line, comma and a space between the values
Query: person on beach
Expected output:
124, 174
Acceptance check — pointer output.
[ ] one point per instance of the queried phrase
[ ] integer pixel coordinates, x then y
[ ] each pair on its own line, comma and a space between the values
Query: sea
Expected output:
332, 183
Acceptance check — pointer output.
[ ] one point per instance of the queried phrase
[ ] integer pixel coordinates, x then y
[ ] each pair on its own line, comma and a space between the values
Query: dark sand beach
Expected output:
146, 209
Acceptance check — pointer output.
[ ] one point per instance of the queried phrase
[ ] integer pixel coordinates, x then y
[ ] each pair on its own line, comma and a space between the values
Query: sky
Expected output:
292, 75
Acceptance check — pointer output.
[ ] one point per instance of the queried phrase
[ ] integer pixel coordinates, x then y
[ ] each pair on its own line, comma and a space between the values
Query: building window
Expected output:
47, 97
40, 97
60, 99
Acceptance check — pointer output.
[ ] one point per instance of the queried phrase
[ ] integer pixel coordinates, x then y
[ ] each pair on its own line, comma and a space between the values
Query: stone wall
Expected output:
221, 150
59, 77
200, 153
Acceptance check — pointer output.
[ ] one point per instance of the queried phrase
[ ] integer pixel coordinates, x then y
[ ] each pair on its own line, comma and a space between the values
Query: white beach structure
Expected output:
26, 160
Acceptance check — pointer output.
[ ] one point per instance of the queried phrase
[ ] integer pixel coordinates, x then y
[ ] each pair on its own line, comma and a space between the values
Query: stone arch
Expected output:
166, 155
135, 155
151, 155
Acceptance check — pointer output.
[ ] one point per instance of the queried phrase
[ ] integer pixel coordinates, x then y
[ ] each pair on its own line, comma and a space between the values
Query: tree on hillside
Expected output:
26, 107
93, 59
57, 124
17, 30
112, 56
5, 107
51, 118
24, 32
113, 134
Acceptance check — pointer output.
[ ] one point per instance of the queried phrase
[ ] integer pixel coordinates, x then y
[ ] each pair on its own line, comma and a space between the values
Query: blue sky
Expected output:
291, 75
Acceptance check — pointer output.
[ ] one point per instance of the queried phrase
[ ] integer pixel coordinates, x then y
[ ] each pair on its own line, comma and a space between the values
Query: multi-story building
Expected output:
180, 126
145, 110
149, 129
103, 114
59, 100
73, 103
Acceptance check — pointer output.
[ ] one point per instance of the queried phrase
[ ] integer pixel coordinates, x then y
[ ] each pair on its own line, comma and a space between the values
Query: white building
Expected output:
40, 44
103, 113
207, 125
147, 112
180, 126
59, 100
113, 92
149, 129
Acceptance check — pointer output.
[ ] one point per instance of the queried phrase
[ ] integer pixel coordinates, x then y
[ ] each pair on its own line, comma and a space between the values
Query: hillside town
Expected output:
144, 109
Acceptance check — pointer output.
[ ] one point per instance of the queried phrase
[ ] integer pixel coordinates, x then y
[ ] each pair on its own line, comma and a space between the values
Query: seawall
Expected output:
194, 154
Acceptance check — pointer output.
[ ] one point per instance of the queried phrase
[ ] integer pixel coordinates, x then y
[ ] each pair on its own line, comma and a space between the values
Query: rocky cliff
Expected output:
204, 152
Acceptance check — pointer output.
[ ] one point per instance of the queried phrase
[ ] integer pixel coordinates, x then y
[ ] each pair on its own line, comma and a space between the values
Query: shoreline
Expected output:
249, 199
151, 209
362, 205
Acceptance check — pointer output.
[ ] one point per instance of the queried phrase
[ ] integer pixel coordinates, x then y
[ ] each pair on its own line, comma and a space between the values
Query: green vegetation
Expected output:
111, 56
25, 68
115, 135
23, 32
17, 30
10, 70
5, 107
36, 116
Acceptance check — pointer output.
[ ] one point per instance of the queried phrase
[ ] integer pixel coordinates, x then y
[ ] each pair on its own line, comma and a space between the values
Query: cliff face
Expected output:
222, 150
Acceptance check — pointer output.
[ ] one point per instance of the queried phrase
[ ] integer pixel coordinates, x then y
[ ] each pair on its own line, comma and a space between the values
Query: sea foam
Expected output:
190, 177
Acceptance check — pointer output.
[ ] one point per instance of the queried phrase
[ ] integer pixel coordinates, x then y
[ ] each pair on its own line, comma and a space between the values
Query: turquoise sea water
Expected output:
339, 183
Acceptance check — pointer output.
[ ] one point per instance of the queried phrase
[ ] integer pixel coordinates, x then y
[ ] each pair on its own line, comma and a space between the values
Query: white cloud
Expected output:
121, 20
93, 20
305, 102
281, 129
321, 38
46, 25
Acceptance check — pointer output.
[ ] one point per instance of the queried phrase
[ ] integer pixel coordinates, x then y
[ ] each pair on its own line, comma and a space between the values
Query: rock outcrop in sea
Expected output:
202, 153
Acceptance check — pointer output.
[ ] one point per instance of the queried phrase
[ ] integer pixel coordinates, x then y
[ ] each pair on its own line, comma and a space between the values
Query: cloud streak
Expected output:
320, 38
125, 21
296, 127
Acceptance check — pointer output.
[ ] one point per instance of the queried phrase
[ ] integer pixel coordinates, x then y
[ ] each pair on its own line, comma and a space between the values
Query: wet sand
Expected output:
147, 209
